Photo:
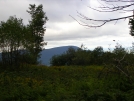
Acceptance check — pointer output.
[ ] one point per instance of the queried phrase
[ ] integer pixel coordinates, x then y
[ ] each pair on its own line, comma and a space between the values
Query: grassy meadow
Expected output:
64, 83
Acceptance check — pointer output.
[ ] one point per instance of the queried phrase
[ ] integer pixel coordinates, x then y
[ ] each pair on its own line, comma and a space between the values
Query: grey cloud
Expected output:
79, 32
58, 11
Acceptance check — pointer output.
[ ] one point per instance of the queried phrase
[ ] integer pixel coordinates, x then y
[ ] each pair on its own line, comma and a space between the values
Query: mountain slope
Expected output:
47, 54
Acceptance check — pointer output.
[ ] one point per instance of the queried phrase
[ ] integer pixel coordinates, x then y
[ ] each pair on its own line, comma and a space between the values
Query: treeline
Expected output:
21, 43
117, 56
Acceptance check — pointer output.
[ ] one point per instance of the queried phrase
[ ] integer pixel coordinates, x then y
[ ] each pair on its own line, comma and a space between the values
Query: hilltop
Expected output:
47, 54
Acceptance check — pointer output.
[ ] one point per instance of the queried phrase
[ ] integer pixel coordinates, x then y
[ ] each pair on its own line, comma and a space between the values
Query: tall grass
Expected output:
66, 83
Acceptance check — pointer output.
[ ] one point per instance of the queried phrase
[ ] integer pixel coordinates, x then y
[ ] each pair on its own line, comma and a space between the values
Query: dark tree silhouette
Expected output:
37, 30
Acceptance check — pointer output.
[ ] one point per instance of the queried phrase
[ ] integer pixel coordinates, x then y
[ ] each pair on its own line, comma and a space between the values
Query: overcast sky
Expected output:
63, 30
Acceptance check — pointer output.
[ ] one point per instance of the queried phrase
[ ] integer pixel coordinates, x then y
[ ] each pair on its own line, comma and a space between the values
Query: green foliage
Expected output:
131, 23
117, 61
11, 40
39, 83
97, 56
64, 59
82, 57
119, 56
21, 43
36, 30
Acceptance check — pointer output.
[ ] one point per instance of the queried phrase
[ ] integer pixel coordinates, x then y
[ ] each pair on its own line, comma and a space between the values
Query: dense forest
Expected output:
76, 75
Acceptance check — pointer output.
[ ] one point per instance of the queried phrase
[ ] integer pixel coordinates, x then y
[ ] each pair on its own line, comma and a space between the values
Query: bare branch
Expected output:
112, 9
109, 6
84, 24
103, 21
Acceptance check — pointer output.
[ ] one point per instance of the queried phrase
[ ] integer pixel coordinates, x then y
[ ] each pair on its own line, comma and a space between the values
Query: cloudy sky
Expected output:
63, 30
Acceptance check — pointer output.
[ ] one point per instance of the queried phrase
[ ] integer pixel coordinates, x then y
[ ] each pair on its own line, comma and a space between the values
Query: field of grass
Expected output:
73, 83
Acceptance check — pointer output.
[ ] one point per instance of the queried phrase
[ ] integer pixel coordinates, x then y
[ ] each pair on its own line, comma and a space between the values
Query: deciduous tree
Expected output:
36, 30
11, 39
23, 43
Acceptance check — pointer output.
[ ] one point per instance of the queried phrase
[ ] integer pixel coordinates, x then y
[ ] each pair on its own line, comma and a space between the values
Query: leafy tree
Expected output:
11, 39
22, 43
64, 59
131, 23
119, 51
36, 30
97, 54
70, 54
79, 57
107, 57
59, 60
119, 57
83, 57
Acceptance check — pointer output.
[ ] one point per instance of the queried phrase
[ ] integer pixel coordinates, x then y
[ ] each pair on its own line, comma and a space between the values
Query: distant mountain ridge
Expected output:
47, 54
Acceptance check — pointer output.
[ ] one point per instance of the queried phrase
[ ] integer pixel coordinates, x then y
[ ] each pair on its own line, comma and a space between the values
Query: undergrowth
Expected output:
66, 83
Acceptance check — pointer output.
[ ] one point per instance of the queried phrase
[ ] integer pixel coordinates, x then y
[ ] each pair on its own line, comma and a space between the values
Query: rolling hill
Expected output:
47, 54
